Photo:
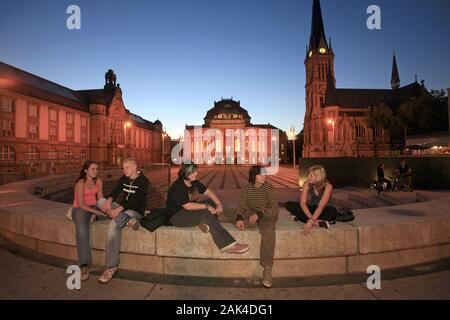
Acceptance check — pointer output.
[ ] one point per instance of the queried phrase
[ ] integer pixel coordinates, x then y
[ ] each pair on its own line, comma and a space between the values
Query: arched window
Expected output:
378, 132
360, 132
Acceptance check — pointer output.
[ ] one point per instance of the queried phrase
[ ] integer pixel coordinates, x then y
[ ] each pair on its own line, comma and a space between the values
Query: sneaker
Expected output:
133, 223
84, 273
238, 248
294, 218
267, 277
204, 227
107, 275
324, 224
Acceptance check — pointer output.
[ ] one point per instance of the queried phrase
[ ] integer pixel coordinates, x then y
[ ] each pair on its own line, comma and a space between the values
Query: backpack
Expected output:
344, 215
155, 219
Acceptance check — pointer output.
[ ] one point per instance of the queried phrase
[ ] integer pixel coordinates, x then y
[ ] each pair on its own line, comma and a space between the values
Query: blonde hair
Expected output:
130, 160
320, 174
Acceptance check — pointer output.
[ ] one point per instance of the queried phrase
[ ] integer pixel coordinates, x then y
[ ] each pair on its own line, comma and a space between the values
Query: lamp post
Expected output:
292, 136
330, 121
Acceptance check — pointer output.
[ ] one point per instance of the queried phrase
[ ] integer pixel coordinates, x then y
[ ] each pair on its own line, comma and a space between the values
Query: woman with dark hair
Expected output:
88, 189
183, 210
259, 207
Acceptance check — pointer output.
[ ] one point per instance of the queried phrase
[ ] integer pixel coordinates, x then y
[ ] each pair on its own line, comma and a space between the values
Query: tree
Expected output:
426, 113
381, 116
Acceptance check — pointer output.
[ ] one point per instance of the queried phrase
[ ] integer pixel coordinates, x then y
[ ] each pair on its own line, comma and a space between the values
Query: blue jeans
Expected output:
82, 218
114, 236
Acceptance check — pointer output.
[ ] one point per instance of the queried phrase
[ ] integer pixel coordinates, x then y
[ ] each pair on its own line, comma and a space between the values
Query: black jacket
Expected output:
133, 193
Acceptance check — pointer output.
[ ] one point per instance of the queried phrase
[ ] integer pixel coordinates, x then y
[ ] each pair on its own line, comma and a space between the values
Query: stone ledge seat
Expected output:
390, 237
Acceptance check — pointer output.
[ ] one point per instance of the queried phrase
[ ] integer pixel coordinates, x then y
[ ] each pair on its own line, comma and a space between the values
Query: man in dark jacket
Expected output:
125, 206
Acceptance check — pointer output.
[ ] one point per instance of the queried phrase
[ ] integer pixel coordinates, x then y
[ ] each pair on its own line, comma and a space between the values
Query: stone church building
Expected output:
335, 124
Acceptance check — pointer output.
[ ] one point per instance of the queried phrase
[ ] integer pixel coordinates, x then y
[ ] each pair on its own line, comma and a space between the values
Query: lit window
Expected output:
7, 104
32, 110
6, 152
33, 153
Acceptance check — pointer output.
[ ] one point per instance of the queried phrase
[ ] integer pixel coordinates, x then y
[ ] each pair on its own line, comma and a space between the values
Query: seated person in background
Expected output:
315, 208
381, 177
184, 211
259, 207
405, 177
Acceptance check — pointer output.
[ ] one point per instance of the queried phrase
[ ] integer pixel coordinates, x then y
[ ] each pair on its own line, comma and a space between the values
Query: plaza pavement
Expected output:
22, 278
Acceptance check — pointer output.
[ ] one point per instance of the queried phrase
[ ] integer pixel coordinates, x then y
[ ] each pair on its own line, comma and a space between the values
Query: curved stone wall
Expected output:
390, 237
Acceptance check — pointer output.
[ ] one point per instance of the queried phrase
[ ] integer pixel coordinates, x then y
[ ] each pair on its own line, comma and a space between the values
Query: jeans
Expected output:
81, 218
114, 236
329, 213
190, 218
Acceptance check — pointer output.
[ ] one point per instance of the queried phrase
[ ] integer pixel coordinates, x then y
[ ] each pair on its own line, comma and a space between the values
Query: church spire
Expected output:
395, 79
317, 29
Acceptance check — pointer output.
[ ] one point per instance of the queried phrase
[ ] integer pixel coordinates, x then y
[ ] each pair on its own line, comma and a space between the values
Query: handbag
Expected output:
345, 215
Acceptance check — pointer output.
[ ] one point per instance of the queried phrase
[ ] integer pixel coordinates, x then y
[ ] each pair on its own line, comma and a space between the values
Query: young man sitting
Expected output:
125, 206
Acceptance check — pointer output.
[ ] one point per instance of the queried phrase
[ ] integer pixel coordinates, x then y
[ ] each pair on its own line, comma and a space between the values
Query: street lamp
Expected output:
330, 121
292, 137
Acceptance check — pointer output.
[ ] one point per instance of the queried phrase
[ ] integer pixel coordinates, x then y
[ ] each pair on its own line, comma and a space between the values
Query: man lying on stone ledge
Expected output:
184, 211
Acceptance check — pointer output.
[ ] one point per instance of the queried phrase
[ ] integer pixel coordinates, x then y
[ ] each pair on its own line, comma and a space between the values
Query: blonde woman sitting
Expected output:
315, 208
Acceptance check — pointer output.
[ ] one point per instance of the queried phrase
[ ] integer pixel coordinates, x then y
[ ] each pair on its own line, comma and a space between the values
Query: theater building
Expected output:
46, 128
335, 120
230, 138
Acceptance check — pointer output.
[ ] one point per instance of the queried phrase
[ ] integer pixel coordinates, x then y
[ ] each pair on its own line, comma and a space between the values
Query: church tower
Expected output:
319, 63
395, 78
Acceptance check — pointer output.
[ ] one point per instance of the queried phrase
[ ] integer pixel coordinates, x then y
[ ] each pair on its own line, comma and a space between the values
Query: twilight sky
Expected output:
174, 58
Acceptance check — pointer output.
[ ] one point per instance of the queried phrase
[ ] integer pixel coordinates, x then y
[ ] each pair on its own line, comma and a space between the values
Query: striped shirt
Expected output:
262, 201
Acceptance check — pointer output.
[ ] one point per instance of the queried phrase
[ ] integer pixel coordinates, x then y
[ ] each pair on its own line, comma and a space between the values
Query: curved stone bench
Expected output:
390, 237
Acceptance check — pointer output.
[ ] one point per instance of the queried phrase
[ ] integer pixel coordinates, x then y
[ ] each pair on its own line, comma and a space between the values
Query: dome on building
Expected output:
226, 110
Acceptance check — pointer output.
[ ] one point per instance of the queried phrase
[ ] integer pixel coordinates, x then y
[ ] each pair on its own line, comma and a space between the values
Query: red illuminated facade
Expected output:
46, 128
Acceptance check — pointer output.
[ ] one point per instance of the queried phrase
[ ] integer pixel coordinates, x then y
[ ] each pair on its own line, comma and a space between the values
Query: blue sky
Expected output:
174, 58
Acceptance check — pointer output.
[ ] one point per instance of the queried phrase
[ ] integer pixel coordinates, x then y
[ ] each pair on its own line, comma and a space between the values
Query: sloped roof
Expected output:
25, 83
364, 98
